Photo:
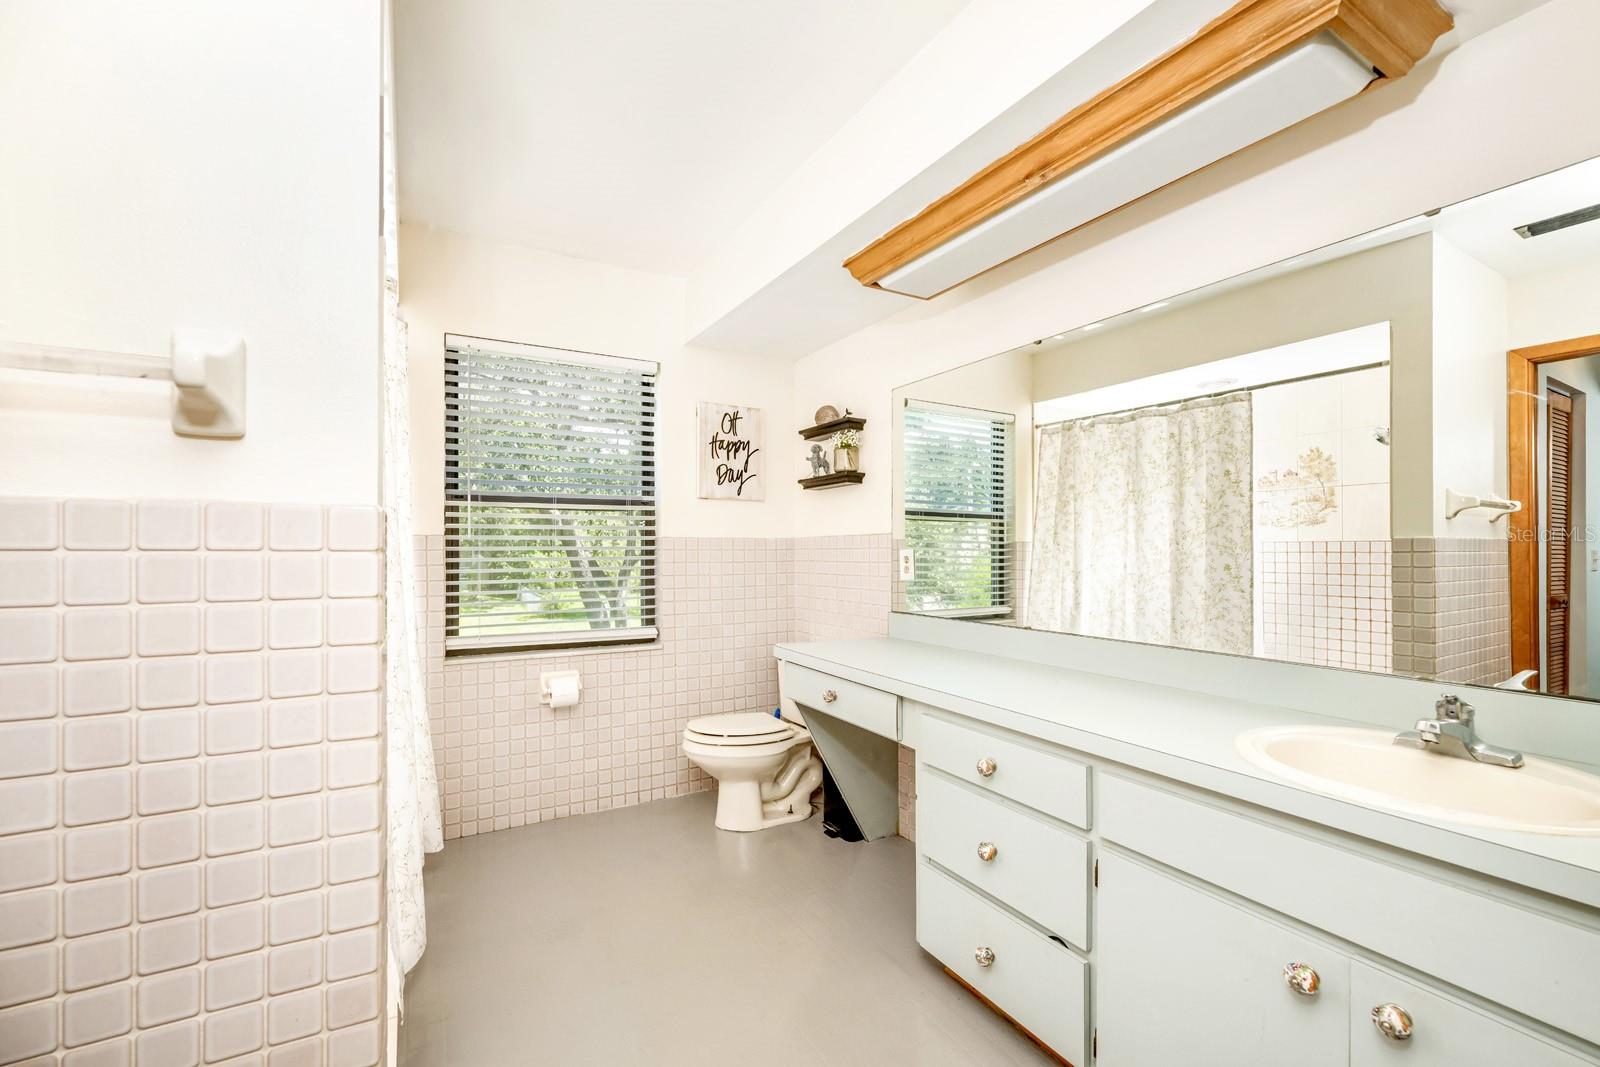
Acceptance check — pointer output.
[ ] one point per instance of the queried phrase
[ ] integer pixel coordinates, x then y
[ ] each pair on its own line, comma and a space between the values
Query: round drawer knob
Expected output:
1392, 1021
984, 955
829, 696
986, 767
1302, 978
987, 852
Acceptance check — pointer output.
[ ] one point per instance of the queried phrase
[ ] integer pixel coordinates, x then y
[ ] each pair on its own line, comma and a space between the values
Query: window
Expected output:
958, 510
550, 497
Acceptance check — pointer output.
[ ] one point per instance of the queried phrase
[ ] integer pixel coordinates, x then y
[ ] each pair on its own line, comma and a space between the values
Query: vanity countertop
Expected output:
1188, 737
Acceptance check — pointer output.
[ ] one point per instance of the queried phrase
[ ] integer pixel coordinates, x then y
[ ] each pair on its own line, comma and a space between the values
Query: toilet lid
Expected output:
739, 727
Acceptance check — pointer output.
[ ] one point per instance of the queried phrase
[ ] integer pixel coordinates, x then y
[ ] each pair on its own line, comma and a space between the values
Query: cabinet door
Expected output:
1184, 977
1444, 1032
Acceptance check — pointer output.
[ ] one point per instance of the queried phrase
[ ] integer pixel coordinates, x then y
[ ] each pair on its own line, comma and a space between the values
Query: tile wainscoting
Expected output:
1325, 603
841, 587
504, 759
191, 795
1452, 604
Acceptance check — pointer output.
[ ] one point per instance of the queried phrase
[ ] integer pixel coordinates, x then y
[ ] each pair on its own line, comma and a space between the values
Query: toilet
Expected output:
764, 767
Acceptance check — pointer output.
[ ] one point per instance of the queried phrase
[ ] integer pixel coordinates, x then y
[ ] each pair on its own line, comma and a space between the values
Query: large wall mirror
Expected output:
1383, 455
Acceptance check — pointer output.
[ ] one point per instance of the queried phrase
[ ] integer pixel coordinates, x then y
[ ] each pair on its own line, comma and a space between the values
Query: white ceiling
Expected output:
750, 145
636, 134
1484, 227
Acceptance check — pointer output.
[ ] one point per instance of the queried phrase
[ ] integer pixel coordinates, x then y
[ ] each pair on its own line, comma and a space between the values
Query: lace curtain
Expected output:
413, 788
1142, 526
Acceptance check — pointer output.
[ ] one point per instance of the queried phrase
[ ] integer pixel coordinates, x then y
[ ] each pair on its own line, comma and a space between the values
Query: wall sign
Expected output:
733, 459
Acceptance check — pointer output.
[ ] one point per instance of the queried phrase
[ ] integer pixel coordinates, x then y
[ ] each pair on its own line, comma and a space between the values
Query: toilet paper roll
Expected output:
562, 690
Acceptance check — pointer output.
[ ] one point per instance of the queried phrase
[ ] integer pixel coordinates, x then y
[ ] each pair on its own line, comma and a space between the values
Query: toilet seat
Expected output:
738, 729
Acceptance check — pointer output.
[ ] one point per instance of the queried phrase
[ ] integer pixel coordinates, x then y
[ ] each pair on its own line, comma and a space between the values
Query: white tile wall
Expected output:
1325, 602
506, 760
842, 586
190, 813
1452, 602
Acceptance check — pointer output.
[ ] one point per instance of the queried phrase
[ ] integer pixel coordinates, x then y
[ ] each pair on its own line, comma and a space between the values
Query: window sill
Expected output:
637, 639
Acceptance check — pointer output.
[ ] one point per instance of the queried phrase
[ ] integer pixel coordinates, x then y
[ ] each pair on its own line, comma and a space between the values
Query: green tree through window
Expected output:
958, 510
549, 497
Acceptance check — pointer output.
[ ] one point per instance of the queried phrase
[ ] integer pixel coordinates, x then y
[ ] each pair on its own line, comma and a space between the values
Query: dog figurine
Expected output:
819, 462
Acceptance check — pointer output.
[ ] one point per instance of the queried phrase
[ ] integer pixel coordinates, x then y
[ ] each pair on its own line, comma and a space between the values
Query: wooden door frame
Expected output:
1522, 472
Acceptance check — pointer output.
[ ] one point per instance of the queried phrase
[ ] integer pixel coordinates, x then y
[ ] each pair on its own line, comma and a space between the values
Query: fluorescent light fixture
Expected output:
1299, 83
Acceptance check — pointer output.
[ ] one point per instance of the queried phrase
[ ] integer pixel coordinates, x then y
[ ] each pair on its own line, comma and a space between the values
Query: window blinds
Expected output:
550, 497
958, 510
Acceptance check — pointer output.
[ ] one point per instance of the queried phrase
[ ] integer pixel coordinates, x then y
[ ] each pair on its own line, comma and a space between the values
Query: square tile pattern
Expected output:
1325, 602
1452, 608
190, 784
504, 759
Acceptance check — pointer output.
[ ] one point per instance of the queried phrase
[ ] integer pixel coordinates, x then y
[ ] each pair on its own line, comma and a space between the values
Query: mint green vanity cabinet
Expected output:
1184, 977
1130, 906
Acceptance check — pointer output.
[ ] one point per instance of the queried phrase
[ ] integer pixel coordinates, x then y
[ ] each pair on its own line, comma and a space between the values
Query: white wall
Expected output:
192, 164
1555, 305
452, 283
1482, 117
1469, 389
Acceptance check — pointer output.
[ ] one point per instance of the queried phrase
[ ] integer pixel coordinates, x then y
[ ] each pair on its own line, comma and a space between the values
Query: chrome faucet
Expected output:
1450, 733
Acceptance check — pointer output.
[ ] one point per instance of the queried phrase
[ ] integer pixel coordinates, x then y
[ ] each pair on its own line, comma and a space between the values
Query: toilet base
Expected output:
740, 809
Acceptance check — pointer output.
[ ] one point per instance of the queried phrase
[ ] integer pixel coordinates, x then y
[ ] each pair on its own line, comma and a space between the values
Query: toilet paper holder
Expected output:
560, 689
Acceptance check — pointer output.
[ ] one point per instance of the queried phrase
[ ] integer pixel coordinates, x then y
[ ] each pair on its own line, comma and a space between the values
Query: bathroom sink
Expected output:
1365, 766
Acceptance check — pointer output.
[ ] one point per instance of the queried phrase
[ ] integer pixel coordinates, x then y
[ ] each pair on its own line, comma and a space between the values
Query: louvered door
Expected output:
1558, 548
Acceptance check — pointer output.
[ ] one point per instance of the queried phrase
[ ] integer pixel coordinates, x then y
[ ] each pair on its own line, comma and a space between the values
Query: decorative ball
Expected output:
826, 413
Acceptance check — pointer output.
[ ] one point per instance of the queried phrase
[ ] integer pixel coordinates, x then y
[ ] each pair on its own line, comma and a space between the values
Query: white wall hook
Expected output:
1455, 503
208, 374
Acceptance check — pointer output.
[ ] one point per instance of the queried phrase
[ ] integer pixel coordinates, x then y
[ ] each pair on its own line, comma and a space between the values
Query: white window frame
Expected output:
459, 346
1006, 605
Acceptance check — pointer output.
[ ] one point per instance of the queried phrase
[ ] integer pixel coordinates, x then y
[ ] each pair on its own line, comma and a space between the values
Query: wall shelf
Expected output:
829, 481
828, 429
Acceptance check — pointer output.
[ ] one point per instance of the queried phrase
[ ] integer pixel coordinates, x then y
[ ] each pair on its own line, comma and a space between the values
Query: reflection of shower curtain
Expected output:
413, 789
1142, 526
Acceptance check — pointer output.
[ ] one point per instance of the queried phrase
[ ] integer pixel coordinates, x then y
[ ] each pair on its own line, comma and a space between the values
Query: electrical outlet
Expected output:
908, 565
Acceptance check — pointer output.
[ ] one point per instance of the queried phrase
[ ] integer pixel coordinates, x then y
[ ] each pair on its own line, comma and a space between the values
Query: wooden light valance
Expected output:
1390, 34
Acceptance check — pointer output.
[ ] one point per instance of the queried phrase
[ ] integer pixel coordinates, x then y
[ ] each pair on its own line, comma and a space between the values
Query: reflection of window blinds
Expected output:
958, 510
550, 497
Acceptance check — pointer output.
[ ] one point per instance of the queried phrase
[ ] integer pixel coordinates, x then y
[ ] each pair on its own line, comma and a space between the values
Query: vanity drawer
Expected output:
1531, 961
1041, 985
1444, 1032
1021, 770
1036, 867
871, 709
